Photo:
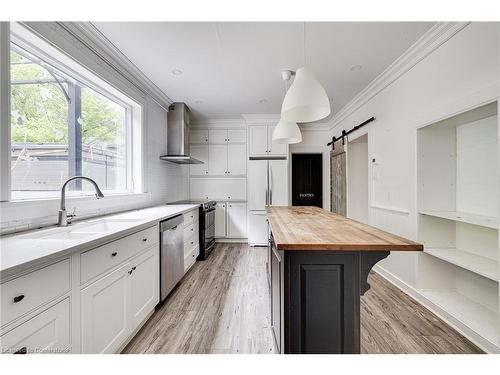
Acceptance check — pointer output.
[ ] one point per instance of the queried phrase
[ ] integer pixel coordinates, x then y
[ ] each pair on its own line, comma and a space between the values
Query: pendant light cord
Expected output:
304, 42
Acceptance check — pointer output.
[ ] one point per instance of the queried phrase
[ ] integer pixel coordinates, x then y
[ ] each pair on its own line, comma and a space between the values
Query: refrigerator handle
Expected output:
268, 203
271, 183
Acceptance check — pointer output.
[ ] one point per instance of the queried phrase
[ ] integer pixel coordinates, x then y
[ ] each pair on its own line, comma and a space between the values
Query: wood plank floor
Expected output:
222, 306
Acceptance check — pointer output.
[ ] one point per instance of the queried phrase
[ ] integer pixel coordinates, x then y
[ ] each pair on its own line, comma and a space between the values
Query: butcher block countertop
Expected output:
312, 228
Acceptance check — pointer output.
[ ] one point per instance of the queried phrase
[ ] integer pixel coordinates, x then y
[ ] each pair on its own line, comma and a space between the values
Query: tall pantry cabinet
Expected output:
222, 176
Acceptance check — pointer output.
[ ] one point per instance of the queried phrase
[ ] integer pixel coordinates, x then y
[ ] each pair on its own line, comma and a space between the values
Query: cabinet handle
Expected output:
23, 350
192, 229
114, 254
132, 270
144, 239
18, 298
192, 243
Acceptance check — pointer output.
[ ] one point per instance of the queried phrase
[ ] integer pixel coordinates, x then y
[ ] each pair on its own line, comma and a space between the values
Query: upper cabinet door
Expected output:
275, 148
237, 135
199, 152
217, 160
198, 136
237, 159
217, 136
257, 142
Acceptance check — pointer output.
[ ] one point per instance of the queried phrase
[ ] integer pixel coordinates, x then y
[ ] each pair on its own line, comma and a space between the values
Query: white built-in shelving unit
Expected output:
458, 202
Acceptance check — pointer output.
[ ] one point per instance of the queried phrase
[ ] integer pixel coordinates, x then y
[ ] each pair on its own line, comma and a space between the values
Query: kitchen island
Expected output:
318, 267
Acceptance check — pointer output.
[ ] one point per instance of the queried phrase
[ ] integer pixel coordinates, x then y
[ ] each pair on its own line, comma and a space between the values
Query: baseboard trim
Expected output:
456, 324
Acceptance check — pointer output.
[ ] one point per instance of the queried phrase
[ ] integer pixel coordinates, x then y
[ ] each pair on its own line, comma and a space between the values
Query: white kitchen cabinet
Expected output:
236, 135
217, 135
219, 189
275, 148
217, 160
257, 228
105, 312
220, 220
198, 136
236, 220
27, 292
260, 142
199, 152
257, 140
143, 286
116, 304
237, 159
47, 332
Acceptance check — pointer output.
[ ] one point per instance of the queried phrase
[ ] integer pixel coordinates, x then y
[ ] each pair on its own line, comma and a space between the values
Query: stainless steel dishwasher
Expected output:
172, 254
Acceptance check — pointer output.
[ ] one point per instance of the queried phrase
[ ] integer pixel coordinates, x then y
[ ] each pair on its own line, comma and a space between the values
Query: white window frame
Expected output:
53, 56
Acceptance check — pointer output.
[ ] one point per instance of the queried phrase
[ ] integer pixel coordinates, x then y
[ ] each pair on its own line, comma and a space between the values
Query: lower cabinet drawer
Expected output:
190, 259
191, 230
190, 217
190, 243
32, 290
96, 261
47, 332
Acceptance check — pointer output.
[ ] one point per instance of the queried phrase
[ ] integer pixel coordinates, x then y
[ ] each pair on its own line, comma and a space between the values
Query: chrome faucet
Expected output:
64, 219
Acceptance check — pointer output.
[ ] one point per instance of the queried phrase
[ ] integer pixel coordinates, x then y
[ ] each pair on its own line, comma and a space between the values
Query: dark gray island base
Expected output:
315, 291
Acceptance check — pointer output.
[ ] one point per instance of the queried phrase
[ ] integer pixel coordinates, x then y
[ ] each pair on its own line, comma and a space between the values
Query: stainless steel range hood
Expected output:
178, 135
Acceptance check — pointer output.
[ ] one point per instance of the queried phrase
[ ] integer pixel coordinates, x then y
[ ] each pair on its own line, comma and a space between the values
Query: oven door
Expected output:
210, 218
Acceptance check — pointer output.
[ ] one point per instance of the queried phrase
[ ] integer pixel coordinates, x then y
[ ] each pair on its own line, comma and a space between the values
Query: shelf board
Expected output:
477, 317
475, 263
464, 217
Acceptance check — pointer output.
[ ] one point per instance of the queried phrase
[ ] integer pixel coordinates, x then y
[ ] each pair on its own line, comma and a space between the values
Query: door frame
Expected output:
312, 149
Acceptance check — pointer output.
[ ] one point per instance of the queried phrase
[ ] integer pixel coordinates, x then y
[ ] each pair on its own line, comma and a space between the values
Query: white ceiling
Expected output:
229, 69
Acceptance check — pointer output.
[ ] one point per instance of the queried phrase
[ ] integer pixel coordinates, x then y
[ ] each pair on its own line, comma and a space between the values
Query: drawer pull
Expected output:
192, 229
18, 298
144, 239
23, 350
114, 254
192, 242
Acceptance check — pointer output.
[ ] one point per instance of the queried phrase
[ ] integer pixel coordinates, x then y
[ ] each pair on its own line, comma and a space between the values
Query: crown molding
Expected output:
87, 34
436, 36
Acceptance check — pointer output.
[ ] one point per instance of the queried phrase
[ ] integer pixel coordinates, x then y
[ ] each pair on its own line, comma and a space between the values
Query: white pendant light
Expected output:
306, 100
287, 132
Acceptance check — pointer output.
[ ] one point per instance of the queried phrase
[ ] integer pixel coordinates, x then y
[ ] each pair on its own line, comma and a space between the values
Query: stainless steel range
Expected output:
207, 226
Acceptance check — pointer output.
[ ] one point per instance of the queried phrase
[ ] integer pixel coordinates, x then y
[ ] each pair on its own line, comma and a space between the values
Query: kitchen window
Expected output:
63, 124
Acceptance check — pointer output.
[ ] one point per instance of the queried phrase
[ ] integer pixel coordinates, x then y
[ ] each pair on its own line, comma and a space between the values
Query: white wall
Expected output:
357, 179
463, 72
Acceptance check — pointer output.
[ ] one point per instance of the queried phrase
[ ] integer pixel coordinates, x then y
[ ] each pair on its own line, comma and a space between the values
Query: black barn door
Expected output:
307, 180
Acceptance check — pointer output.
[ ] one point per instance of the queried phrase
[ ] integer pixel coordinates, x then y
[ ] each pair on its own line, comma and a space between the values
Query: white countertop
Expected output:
24, 250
